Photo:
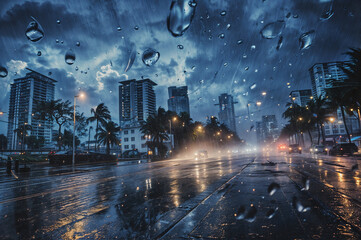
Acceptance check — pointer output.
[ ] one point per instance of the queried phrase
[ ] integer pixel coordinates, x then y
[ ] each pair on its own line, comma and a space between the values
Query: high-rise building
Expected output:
136, 100
322, 77
226, 111
178, 99
301, 97
24, 94
267, 129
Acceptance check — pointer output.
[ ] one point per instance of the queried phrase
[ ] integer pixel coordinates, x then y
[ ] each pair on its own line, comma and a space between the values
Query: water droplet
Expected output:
225, 64
85, 72
228, 26
130, 60
201, 81
61, 89
239, 41
76, 68
305, 39
223, 13
221, 35
271, 213
274, 68
34, 32
210, 38
288, 15
77, 44
39, 53
70, 57
136, 28
244, 80
251, 214
295, 16
180, 17
246, 68
253, 86
256, 70
327, 14
49, 73
193, 67
3, 72
192, 3
272, 188
297, 204
244, 56
57, 40
273, 29
62, 42
306, 184
150, 57
253, 47
180, 47
58, 21
280, 43
241, 213
119, 29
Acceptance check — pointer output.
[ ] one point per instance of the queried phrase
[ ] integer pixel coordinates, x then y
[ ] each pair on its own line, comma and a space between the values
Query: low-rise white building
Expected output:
132, 138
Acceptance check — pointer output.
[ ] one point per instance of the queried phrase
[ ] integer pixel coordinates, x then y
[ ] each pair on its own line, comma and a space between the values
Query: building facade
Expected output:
137, 100
178, 99
322, 77
226, 111
24, 94
301, 97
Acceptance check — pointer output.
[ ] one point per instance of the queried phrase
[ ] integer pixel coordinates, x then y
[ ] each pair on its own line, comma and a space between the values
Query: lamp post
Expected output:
90, 128
74, 121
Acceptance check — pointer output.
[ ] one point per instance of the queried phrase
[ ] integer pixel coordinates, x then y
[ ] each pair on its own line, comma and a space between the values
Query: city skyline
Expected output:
208, 62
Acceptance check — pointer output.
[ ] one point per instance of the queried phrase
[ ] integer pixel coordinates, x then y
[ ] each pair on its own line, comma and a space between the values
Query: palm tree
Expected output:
54, 110
108, 135
318, 107
21, 133
100, 115
155, 126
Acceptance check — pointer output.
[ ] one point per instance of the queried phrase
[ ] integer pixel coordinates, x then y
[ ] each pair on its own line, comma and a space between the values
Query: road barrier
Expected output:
64, 159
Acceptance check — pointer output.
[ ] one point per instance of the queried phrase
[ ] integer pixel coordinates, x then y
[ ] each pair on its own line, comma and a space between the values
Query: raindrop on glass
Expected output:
77, 44
136, 28
253, 86
244, 56
180, 17
306, 184
297, 204
180, 47
295, 16
288, 15
251, 214
253, 47
272, 188
273, 30
225, 64
34, 32
193, 67
306, 39
256, 70
119, 29
223, 13
39, 53
3, 72
241, 213
192, 3
228, 26
221, 35
150, 57
49, 73
58, 21
62, 42
271, 213
246, 68
239, 42
85, 72
57, 40
70, 57
280, 43
76, 68
201, 81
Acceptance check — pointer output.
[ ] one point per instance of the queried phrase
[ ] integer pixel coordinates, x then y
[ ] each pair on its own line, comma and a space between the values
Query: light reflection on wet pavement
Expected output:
185, 198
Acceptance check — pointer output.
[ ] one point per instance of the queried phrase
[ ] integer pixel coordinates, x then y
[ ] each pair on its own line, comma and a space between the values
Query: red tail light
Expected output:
341, 149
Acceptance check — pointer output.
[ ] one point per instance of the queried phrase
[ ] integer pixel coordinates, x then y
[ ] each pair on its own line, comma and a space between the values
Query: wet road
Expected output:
186, 198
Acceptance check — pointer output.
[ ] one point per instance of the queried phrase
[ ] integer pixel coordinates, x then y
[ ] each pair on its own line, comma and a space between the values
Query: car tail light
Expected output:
341, 149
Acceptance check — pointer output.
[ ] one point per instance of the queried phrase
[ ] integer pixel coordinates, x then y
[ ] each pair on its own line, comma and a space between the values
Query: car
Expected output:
319, 149
282, 148
294, 148
343, 149
201, 154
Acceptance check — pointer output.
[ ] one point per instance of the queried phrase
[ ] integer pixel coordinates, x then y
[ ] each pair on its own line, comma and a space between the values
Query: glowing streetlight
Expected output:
332, 119
300, 118
264, 93
81, 96
258, 103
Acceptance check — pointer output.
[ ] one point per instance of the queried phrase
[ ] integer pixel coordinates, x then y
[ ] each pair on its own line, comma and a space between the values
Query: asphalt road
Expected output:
261, 196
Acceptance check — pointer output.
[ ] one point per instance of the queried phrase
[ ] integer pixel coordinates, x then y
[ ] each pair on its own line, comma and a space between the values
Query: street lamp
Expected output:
258, 103
81, 95
332, 119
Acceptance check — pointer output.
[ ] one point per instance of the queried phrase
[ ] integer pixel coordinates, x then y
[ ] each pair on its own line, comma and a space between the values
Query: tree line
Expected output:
344, 95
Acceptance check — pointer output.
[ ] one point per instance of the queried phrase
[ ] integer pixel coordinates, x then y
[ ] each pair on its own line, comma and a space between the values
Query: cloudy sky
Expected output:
208, 64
